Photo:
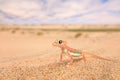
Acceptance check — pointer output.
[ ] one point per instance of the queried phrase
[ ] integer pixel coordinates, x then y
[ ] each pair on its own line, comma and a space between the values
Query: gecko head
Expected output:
59, 43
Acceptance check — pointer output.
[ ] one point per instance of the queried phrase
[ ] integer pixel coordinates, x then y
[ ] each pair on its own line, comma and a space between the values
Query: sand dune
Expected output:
27, 54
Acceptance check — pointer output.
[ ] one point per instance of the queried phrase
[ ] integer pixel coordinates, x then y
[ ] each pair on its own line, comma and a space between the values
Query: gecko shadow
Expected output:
65, 62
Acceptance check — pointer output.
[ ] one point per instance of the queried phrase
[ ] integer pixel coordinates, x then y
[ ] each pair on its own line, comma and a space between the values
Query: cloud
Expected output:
104, 1
20, 8
100, 17
59, 11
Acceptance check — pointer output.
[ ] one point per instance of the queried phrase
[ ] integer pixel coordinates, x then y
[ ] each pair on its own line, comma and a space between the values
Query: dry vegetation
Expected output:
78, 35
27, 54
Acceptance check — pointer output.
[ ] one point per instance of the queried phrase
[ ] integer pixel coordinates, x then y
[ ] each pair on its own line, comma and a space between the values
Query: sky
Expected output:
59, 11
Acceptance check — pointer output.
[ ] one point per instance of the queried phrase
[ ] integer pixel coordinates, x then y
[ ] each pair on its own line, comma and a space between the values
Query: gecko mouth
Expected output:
53, 44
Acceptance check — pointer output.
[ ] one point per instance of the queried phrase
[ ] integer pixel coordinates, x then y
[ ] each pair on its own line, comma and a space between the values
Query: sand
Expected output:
29, 55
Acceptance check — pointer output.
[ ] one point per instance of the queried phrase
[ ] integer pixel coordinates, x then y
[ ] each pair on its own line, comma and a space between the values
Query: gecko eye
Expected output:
60, 41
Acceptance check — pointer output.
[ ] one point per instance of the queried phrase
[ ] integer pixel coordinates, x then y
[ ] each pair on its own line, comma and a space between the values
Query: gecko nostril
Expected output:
60, 41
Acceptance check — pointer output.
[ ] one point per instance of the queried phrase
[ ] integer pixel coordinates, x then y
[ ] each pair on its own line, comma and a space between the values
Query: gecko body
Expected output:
71, 52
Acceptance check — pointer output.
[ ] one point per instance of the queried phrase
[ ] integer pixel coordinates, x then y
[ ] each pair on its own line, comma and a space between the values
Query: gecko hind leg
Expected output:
84, 58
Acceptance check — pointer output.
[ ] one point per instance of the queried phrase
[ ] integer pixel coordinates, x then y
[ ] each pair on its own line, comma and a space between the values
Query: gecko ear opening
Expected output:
65, 42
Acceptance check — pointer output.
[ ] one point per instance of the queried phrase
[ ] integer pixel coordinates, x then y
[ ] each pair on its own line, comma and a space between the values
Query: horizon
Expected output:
42, 12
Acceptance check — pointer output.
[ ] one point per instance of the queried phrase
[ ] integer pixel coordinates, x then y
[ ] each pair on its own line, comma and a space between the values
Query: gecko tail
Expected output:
95, 56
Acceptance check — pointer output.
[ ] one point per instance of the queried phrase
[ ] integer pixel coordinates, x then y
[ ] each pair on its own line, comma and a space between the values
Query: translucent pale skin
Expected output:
63, 46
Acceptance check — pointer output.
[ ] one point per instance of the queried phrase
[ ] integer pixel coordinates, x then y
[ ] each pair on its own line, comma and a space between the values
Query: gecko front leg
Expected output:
60, 57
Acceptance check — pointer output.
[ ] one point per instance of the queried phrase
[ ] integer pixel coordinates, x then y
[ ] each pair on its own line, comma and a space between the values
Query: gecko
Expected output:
71, 52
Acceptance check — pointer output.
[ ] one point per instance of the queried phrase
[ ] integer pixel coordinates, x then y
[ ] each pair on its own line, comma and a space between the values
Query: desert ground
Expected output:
26, 53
